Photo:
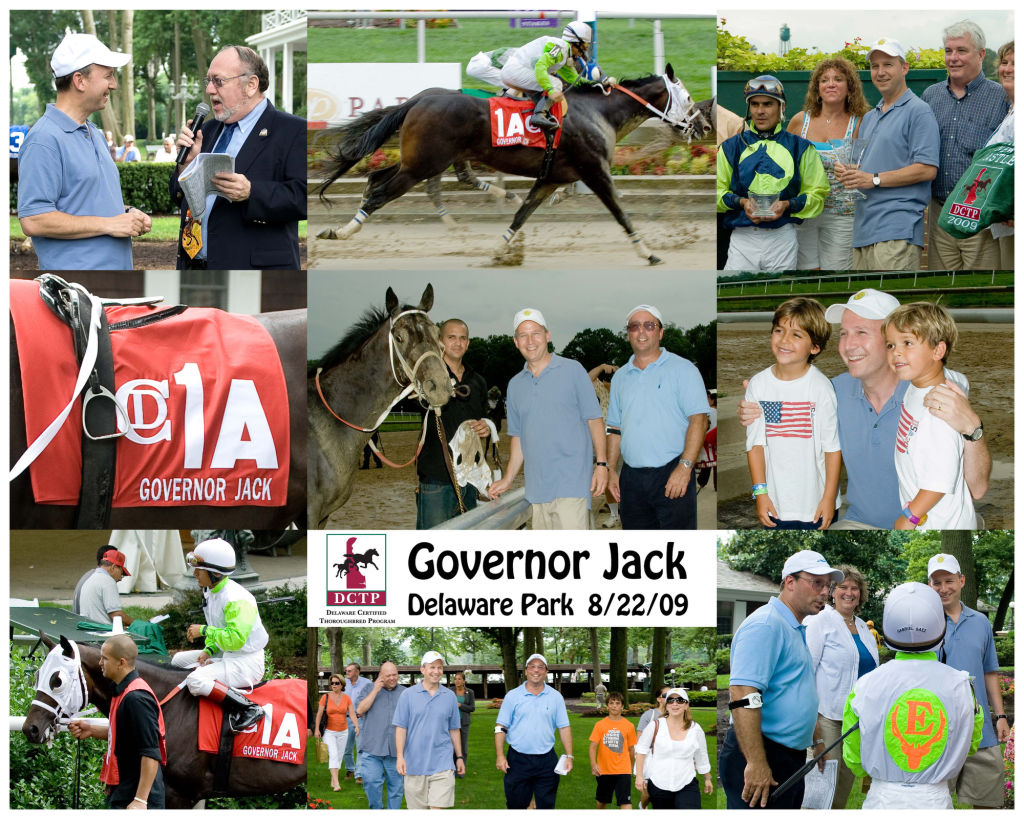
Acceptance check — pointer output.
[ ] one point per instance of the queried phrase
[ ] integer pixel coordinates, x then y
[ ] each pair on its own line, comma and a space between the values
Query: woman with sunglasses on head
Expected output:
670, 754
833, 108
842, 650
337, 704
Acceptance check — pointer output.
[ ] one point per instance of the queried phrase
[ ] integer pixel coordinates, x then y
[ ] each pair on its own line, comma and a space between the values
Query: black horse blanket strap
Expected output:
75, 307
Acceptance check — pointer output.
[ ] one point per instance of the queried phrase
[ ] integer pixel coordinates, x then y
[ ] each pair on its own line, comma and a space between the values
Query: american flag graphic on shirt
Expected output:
906, 429
788, 419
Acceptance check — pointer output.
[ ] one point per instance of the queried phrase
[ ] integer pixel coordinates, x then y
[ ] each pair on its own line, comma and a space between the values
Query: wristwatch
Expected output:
686, 462
976, 435
876, 180
752, 700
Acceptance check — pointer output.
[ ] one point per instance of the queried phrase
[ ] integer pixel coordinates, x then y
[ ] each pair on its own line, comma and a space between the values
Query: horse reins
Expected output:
407, 389
684, 119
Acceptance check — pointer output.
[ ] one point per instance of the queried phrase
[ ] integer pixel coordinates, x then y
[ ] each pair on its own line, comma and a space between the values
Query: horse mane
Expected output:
358, 334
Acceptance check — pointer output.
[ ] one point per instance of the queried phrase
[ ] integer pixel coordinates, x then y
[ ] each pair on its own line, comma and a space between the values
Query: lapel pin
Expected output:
264, 132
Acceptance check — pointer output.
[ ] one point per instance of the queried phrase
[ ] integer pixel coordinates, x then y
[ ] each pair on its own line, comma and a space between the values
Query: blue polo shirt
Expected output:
549, 414
358, 690
868, 441
531, 719
970, 646
66, 167
427, 720
652, 407
377, 736
769, 652
905, 134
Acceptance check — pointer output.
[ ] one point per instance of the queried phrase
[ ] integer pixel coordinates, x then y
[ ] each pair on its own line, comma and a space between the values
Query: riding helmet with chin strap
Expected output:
579, 33
765, 85
214, 555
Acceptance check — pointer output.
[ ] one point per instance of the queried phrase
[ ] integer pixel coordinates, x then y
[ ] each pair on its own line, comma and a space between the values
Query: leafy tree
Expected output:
618, 677
592, 347
658, 658
37, 34
495, 358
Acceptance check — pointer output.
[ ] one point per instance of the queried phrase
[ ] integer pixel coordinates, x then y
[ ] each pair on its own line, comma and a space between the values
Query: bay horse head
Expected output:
62, 690
415, 348
681, 111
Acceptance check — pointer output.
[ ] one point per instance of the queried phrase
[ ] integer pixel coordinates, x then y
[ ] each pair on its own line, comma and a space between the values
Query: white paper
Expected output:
820, 786
196, 180
562, 766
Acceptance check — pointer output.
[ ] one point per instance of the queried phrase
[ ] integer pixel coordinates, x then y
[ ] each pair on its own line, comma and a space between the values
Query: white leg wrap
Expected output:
640, 246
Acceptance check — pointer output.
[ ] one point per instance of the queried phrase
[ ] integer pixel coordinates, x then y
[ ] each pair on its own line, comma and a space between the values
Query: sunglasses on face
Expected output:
649, 326
335, 683
674, 701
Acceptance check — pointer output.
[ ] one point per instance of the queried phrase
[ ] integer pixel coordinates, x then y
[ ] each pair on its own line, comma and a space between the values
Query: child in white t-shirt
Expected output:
793, 447
929, 453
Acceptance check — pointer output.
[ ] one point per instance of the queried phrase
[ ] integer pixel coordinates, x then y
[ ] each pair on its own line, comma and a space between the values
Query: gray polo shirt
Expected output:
377, 736
99, 597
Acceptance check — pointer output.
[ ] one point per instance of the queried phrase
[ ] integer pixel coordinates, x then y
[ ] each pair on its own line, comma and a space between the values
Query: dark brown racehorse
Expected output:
438, 130
288, 330
387, 354
189, 774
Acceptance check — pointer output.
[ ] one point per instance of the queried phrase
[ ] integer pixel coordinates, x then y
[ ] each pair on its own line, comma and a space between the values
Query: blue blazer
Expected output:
263, 232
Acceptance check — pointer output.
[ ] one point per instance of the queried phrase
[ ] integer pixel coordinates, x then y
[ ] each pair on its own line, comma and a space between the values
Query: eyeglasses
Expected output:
649, 326
674, 701
218, 82
818, 585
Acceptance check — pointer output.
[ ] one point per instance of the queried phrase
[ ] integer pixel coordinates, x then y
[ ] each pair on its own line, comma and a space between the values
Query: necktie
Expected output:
225, 137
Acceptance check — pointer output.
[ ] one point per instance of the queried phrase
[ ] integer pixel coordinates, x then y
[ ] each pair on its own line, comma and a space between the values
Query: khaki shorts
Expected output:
982, 780
430, 791
561, 513
895, 254
945, 252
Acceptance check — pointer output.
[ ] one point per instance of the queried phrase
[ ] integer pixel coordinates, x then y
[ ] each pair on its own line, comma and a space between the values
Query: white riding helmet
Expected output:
913, 618
578, 32
215, 555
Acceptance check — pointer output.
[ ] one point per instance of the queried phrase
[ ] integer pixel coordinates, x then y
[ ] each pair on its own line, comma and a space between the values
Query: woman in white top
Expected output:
645, 719
1003, 232
842, 649
670, 754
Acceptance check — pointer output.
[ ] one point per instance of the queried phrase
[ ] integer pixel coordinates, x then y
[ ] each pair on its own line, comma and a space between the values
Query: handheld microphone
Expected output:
202, 110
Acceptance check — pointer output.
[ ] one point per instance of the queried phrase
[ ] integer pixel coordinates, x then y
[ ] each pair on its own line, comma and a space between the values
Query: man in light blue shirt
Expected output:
896, 171
356, 688
555, 427
773, 698
969, 646
427, 737
69, 189
528, 718
658, 410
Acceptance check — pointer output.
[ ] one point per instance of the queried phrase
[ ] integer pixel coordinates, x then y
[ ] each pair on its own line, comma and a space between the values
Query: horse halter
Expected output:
71, 693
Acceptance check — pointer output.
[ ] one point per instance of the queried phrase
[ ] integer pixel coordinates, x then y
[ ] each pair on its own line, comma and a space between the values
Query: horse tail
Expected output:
360, 137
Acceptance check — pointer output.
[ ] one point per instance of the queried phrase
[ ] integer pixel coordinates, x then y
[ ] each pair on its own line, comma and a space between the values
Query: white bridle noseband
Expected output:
72, 692
410, 372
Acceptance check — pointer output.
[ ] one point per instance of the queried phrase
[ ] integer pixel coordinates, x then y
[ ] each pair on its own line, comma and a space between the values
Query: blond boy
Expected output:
793, 447
929, 453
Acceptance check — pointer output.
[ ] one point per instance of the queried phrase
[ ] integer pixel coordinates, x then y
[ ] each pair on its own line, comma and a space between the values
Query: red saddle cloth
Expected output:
205, 394
282, 740
510, 123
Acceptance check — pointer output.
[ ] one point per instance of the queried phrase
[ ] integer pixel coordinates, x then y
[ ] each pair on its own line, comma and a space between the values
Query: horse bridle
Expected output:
684, 120
63, 712
413, 384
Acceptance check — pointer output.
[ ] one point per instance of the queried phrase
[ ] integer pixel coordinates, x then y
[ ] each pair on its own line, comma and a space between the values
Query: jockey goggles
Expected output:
194, 561
766, 85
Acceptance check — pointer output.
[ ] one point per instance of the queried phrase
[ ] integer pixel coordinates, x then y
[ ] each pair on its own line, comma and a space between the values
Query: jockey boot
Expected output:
241, 713
542, 117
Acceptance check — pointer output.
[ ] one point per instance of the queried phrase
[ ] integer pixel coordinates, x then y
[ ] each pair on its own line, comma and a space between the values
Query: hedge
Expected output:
144, 185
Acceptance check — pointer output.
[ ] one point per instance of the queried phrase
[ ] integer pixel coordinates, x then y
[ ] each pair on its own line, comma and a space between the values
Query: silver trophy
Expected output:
849, 152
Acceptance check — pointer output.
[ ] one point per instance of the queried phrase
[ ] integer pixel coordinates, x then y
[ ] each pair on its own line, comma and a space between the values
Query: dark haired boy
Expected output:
612, 744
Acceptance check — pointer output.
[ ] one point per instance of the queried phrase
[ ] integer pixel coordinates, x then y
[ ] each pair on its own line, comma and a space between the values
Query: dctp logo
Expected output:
355, 570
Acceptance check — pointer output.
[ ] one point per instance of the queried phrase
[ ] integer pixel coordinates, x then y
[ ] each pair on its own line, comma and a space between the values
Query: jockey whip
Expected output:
799, 775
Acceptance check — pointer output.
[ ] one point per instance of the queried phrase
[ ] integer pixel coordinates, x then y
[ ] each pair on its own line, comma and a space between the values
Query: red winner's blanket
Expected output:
205, 397
510, 123
280, 736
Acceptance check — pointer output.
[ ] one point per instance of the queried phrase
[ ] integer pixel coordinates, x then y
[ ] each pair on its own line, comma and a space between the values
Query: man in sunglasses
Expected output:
773, 698
657, 418
766, 160
252, 221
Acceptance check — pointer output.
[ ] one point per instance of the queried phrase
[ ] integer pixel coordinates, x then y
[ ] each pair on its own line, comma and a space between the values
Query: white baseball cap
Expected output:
679, 692
430, 657
650, 308
812, 563
867, 303
889, 46
528, 314
913, 619
533, 657
76, 51
943, 563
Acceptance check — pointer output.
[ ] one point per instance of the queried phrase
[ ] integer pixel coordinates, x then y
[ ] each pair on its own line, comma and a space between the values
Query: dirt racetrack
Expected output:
425, 244
983, 353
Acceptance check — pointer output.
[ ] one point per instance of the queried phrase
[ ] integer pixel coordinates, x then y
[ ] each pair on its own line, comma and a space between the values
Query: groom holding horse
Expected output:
136, 753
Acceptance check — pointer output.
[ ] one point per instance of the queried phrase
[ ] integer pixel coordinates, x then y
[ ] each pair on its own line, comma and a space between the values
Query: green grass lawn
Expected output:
482, 787
625, 47
165, 229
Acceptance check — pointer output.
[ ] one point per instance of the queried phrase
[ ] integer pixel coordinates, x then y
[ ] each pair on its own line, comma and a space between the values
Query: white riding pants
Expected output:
763, 249
520, 75
901, 795
233, 668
